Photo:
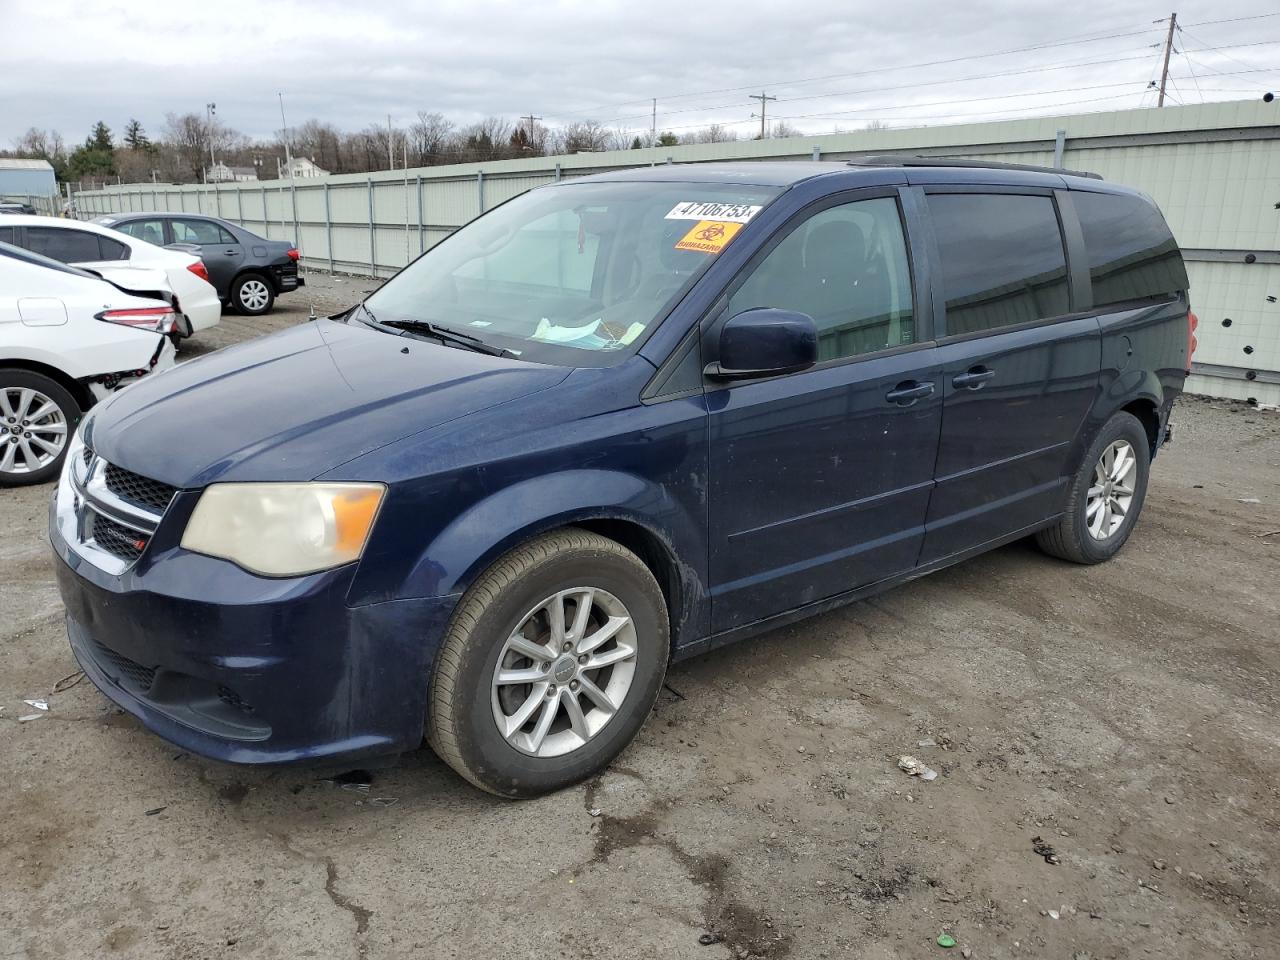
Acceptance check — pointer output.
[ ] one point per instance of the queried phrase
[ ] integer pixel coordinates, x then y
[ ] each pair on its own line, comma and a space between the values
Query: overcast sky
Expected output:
836, 64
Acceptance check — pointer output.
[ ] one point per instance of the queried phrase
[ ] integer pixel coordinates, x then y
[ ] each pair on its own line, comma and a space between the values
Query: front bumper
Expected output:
246, 669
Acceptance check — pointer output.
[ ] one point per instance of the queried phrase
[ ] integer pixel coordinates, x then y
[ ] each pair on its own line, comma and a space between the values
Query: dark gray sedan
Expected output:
248, 271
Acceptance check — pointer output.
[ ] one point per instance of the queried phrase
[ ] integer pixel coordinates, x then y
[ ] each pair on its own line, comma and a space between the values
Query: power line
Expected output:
1206, 48
926, 83
902, 86
1071, 41
1192, 71
1258, 16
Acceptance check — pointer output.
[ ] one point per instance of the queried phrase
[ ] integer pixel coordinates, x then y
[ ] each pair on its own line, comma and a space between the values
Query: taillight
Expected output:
155, 319
293, 253
199, 269
1192, 322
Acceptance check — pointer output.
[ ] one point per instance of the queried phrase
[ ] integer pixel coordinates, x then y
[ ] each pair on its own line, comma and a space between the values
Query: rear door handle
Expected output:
973, 378
908, 392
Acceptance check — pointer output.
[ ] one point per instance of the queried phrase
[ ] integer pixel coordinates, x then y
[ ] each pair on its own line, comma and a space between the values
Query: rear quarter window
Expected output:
1002, 260
1132, 253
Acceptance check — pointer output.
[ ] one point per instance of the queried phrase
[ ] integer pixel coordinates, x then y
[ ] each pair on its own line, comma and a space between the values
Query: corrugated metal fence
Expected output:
1213, 168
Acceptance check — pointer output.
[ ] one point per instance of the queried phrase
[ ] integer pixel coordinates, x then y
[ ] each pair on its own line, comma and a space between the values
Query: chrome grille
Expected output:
109, 514
138, 489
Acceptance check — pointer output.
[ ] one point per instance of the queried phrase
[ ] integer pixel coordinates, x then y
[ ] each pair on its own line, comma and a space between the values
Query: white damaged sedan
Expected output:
108, 252
68, 338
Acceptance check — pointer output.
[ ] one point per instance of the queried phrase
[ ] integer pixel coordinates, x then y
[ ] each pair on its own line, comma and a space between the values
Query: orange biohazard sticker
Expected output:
709, 236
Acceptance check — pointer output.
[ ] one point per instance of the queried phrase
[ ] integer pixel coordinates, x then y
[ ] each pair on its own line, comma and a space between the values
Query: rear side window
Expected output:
112, 249
1002, 260
1132, 254
202, 232
6, 234
68, 246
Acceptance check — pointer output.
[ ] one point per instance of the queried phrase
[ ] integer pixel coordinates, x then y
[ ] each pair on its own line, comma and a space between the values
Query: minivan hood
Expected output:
293, 405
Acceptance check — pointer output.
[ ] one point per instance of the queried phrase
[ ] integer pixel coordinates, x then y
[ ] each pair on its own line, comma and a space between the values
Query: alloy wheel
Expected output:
564, 672
33, 430
1111, 493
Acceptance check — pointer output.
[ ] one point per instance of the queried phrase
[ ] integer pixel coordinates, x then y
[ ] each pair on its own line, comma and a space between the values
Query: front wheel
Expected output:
37, 418
550, 666
1106, 495
252, 295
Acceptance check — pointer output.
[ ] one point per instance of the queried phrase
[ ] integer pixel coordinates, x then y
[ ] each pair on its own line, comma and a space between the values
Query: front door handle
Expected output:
973, 378
908, 392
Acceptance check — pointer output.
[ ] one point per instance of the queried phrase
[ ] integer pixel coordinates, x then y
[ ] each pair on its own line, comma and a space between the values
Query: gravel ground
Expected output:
1126, 715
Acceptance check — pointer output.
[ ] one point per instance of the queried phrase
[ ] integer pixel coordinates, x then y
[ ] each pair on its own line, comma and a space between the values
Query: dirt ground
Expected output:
1127, 715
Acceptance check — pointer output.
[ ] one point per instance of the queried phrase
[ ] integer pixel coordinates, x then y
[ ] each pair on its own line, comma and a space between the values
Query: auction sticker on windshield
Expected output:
709, 236
710, 210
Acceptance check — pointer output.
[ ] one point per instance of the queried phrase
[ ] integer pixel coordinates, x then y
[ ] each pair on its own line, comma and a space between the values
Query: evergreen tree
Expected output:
135, 138
100, 138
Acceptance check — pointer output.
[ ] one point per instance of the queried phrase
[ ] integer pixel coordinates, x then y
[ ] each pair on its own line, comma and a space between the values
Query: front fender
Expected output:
492, 526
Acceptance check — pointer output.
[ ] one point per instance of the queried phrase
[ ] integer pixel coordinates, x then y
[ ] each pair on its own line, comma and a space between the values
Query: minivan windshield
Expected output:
574, 274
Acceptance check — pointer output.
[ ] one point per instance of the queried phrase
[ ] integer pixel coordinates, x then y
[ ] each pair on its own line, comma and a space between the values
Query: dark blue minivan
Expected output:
610, 424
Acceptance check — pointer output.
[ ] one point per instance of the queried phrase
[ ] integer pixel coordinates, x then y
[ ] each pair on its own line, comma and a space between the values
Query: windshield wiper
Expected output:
426, 328
447, 335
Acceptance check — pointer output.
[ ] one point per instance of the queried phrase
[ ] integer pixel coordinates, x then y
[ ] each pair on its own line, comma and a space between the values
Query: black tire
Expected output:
461, 725
12, 378
1070, 538
256, 284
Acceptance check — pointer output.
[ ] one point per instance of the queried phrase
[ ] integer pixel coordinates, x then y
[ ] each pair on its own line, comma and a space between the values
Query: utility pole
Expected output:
1168, 49
531, 118
653, 126
391, 156
288, 156
209, 110
763, 98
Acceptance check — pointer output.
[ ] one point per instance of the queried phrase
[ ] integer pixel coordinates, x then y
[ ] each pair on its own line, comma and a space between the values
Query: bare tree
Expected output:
716, 133
620, 138
583, 136
187, 135
40, 144
489, 139
321, 142
876, 125
430, 139
780, 128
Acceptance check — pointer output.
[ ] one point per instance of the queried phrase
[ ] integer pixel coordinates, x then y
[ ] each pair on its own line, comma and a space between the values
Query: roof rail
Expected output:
893, 160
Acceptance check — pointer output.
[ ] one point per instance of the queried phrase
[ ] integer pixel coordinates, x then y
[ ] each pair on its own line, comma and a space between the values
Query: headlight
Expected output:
284, 529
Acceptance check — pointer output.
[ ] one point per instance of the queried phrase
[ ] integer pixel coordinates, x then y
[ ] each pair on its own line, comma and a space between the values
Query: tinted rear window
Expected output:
1003, 261
65, 244
1132, 254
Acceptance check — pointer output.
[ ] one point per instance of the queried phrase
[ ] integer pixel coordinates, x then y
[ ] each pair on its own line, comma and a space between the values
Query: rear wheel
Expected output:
550, 666
37, 418
1106, 495
252, 294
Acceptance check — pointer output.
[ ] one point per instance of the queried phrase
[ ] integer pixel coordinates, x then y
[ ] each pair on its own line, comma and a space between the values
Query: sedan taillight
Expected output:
155, 319
199, 269
293, 253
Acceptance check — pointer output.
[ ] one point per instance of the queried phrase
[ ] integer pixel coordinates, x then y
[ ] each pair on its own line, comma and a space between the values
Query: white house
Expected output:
300, 168
221, 173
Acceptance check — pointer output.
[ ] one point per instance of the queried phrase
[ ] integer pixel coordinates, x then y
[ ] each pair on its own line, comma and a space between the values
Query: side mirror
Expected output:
765, 342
